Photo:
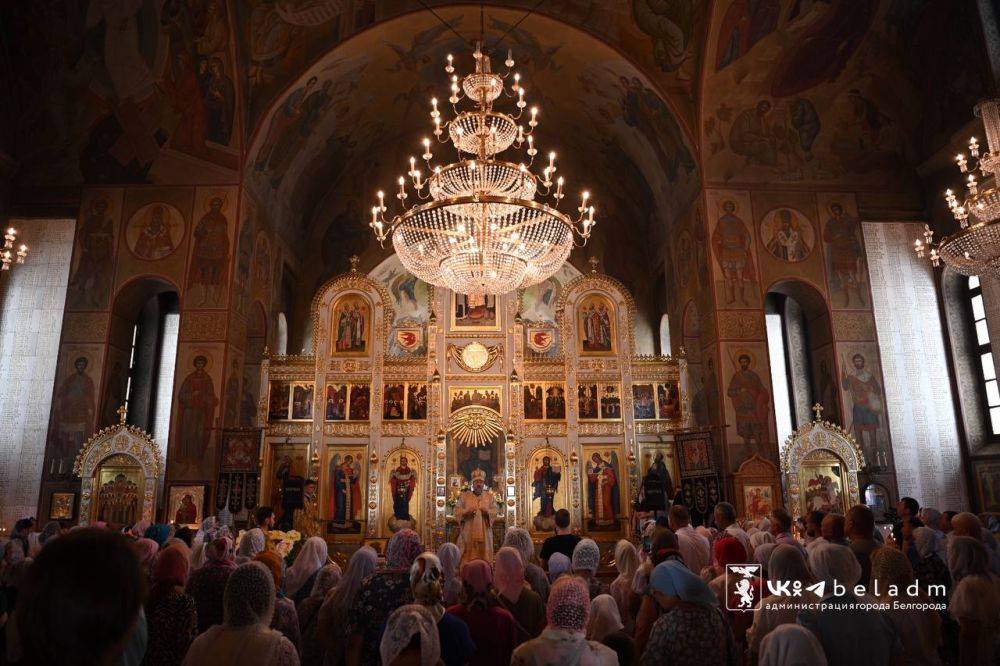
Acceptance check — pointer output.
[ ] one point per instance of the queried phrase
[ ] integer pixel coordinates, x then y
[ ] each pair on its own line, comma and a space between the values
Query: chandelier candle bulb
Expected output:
963, 164
973, 147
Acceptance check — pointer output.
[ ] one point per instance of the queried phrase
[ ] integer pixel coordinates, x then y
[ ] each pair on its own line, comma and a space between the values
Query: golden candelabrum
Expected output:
478, 225
975, 248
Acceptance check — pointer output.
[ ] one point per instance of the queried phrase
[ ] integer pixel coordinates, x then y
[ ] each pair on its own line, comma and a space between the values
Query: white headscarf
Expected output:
310, 559
791, 645
604, 618
831, 562
405, 623
338, 604
925, 540
252, 543
760, 538
586, 556
558, 564
626, 560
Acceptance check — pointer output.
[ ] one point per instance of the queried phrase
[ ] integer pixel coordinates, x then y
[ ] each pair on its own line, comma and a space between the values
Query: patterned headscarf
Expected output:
477, 583
274, 564
509, 573
791, 644
586, 556
170, 571
426, 582
220, 553
311, 558
626, 560
605, 618
558, 565
334, 611
834, 563
788, 563
253, 542
249, 596
890, 567
568, 608
967, 557
449, 555
519, 538
158, 532
675, 580
925, 540
404, 546
327, 579
403, 624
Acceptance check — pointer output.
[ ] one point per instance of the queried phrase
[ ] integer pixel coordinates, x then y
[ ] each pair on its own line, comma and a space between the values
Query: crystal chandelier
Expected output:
477, 225
7, 254
975, 248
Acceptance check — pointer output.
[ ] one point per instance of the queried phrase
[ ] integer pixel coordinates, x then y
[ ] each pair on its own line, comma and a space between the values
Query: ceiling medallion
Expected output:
475, 225
975, 248
475, 356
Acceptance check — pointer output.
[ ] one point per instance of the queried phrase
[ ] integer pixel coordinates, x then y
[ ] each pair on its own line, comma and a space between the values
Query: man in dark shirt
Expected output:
563, 542
859, 526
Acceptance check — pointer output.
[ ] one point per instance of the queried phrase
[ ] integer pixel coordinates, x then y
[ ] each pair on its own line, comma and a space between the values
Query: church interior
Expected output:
598, 259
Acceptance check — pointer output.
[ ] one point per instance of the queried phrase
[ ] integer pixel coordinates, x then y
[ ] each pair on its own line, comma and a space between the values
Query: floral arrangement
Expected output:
283, 542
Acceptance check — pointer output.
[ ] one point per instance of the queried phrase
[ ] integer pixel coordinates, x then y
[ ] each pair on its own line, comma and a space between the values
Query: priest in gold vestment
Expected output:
475, 512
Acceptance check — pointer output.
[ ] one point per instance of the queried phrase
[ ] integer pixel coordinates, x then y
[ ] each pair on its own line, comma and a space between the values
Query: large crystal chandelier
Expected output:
477, 225
975, 248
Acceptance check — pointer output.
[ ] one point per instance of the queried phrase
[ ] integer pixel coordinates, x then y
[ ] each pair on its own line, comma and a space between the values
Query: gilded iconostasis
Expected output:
223, 154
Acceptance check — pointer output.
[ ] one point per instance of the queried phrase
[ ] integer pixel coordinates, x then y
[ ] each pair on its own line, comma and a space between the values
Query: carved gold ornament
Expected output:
475, 425
475, 356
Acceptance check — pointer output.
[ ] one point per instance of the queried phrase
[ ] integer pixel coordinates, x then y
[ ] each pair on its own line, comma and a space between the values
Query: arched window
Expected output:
281, 335
665, 347
983, 350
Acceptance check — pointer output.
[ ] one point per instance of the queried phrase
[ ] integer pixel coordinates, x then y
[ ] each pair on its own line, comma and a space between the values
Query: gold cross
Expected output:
122, 411
818, 408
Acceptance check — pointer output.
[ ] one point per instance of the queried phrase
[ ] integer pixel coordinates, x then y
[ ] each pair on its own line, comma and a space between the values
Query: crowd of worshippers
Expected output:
158, 595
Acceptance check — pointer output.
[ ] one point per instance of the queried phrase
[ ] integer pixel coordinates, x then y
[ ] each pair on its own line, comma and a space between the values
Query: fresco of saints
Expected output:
196, 413
416, 402
306, 519
476, 511
823, 494
154, 241
211, 253
118, 501
282, 120
545, 486
866, 404
731, 243
596, 324
345, 501
91, 280
402, 481
751, 401
787, 242
845, 253
187, 511
351, 329
232, 409
75, 406
603, 503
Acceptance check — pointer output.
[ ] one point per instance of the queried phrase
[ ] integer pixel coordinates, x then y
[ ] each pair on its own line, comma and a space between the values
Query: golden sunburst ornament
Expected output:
475, 425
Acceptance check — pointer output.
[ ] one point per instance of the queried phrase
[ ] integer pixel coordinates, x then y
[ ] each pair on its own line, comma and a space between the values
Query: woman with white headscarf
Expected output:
919, 630
627, 563
786, 563
791, 645
449, 555
564, 640
849, 635
520, 539
975, 601
586, 560
251, 544
559, 564
244, 638
930, 569
516, 596
300, 576
606, 627
333, 613
425, 586
313, 652
410, 637
758, 539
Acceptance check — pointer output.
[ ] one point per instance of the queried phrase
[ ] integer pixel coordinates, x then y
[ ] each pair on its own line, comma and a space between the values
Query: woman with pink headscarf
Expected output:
564, 640
493, 629
516, 596
207, 585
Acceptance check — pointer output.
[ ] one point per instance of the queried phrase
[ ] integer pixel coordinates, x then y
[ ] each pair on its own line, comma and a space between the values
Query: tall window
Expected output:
984, 349
779, 374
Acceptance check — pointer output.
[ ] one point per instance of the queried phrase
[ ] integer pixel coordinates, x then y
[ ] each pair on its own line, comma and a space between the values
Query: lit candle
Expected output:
559, 186
381, 200
974, 147
413, 165
534, 114
962, 162
552, 160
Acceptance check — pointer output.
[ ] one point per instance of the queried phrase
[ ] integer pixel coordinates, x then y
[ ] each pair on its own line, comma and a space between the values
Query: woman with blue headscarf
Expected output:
691, 629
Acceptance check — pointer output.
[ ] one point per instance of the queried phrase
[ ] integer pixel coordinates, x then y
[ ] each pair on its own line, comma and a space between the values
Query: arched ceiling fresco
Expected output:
835, 92
365, 108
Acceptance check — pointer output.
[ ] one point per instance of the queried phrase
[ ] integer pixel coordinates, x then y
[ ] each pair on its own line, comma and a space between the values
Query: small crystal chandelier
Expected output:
481, 229
7, 254
975, 248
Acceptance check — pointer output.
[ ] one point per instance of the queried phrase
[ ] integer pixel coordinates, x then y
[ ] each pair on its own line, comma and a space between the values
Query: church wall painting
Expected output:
302, 401
232, 395
544, 401
196, 411
351, 325
863, 394
155, 234
822, 480
610, 402
747, 398
403, 489
359, 402
644, 402
93, 265
286, 466
213, 224
155, 231
605, 487
788, 237
987, 474
547, 485
825, 383
668, 401
343, 498
596, 325
394, 401
846, 264
279, 401
186, 505
660, 457
474, 313
490, 397
734, 257
335, 403
787, 234
74, 403
62, 506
